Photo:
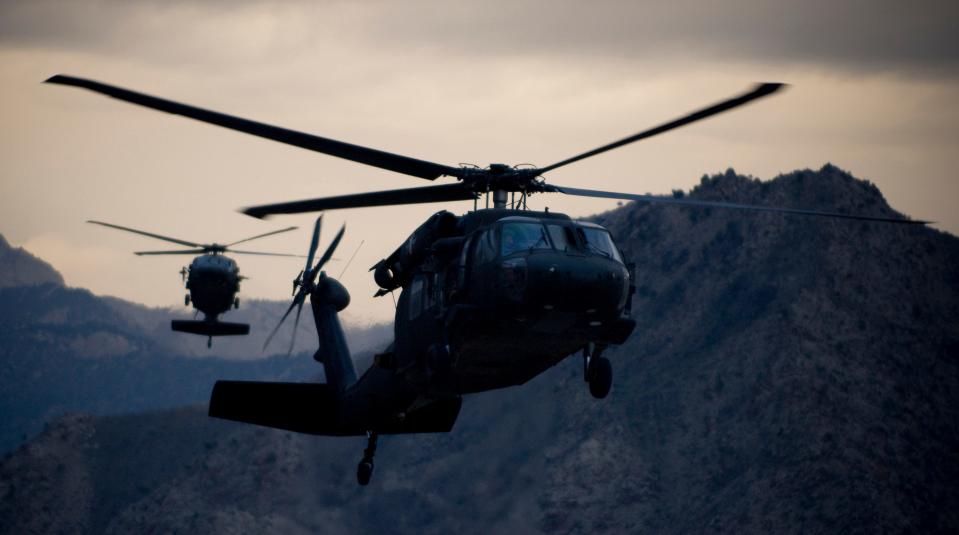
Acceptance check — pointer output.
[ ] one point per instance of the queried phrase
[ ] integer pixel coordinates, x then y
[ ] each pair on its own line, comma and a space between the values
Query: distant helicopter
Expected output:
212, 281
487, 300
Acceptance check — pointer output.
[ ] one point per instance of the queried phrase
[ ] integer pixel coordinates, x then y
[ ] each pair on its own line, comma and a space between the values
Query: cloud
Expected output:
885, 35
852, 36
521, 81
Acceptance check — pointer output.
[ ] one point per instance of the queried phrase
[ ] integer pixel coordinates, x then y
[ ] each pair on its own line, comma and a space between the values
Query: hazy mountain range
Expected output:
787, 375
65, 349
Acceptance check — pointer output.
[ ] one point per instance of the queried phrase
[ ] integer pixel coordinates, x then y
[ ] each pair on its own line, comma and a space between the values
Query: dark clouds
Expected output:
858, 34
854, 36
873, 87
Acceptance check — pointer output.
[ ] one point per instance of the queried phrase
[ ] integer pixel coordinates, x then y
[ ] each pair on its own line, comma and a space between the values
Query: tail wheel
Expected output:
186, 300
600, 377
236, 302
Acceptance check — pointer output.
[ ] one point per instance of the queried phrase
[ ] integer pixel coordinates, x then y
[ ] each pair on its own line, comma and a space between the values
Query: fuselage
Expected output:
213, 282
505, 296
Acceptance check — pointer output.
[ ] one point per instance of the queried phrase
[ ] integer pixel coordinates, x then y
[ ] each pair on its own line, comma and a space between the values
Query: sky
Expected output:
873, 90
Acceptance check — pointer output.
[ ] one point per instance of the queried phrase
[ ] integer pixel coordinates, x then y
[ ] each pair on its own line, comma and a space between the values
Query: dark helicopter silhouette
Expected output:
212, 280
487, 300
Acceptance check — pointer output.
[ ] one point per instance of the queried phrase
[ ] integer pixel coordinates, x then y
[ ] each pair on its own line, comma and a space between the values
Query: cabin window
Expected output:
416, 296
518, 237
465, 256
598, 241
562, 237
436, 291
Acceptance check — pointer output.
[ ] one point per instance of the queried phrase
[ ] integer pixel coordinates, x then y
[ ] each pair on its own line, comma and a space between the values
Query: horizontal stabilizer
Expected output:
301, 407
313, 408
210, 328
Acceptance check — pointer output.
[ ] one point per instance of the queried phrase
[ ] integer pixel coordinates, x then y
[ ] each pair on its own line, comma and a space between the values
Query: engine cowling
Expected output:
395, 270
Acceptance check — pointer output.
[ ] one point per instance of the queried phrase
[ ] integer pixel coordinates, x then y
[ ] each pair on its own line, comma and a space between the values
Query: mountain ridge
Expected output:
20, 268
64, 349
787, 374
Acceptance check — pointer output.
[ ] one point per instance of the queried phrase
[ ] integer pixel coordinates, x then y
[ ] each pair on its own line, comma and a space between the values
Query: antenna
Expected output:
351, 258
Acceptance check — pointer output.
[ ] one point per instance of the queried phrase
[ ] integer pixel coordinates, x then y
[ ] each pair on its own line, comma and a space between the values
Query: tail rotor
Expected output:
305, 282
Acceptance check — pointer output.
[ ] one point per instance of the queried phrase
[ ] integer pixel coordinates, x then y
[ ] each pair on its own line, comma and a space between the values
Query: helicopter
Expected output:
212, 281
489, 299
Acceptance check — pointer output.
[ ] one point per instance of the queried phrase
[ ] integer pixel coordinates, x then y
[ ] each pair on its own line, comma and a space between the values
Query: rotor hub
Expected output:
499, 177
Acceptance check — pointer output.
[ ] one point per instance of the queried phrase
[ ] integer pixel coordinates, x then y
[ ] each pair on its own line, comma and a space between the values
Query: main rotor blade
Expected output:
340, 149
287, 229
759, 91
183, 251
234, 251
428, 194
145, 233
718, 204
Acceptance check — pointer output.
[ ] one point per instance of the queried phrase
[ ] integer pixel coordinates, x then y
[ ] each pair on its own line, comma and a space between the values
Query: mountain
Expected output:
20, 268
64, 349
787, 374
262, 315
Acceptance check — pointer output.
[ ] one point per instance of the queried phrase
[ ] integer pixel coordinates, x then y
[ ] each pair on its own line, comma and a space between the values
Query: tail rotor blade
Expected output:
296, 323
314, 243
296, 300
329, 252
303, 284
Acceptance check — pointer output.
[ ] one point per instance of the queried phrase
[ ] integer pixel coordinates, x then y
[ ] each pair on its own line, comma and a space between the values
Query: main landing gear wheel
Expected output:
364, 470
597, 371
600, 377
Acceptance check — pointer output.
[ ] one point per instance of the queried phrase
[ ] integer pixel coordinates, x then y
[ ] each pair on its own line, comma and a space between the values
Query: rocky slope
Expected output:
20, 268
787, 375
64, 349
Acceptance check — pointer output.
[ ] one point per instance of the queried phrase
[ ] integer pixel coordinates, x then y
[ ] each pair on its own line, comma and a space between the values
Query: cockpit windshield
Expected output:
598, 241
529, 235
522, 236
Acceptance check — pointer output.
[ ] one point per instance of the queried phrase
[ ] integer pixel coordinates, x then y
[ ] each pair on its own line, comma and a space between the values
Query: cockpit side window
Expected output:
516, 237
598, 241
562, 236
485, 250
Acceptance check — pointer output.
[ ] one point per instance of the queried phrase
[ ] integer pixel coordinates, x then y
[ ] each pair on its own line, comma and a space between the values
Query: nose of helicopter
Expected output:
582, 284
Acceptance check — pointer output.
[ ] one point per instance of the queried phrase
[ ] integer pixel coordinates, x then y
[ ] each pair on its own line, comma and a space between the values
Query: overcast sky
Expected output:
874, 87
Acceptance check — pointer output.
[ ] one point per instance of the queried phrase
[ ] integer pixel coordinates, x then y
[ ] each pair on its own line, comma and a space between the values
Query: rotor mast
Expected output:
500, 195
499, 180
